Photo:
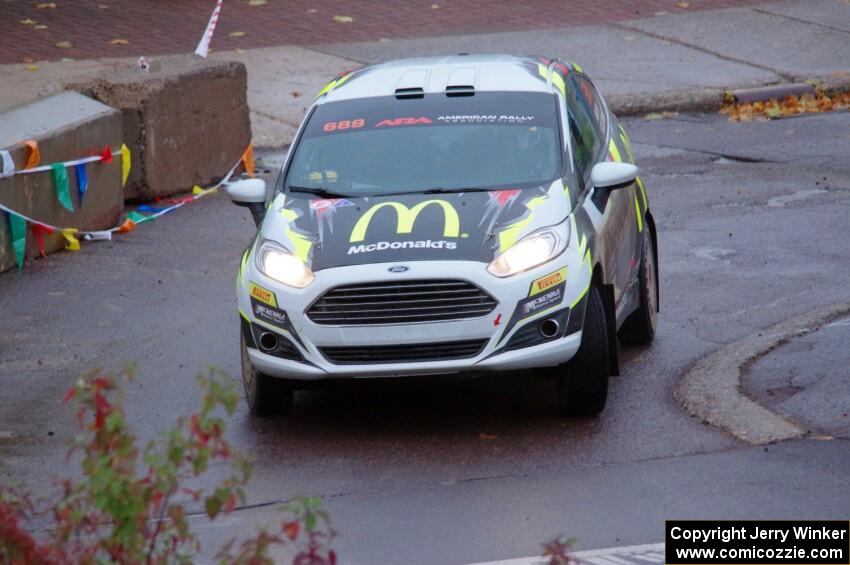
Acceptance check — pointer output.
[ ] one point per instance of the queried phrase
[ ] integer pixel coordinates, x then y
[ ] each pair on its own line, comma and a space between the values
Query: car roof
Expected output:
436, 74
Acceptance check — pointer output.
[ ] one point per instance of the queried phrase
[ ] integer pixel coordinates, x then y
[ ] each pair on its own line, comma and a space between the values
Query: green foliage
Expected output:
127, 507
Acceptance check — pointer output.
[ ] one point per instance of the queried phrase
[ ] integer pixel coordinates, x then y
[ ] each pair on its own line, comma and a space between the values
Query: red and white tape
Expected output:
204, 45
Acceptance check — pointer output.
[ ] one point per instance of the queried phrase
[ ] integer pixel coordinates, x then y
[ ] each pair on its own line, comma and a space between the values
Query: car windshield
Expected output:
384, 145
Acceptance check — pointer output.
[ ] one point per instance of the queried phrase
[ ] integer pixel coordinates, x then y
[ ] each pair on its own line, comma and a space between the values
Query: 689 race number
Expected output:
344, 125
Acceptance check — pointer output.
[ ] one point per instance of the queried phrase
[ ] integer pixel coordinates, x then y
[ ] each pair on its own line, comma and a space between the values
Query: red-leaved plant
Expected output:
128, 507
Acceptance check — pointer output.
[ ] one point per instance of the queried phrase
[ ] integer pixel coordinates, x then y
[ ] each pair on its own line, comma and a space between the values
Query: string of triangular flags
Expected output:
59, 170
145, 213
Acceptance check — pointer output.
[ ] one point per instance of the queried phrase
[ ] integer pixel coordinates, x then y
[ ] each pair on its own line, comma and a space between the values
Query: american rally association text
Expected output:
726, 535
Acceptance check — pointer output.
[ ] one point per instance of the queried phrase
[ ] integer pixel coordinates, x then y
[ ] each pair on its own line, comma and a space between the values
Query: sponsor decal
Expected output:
384, 245
485, 119
326, 204
260, 294
269, 314
403, 122
542, 301
406, 217
548, 281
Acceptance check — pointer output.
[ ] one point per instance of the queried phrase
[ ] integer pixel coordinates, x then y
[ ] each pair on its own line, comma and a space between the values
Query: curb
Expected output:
712, 390
711, 99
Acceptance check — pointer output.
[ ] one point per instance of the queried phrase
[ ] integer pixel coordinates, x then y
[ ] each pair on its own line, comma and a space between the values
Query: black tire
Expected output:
583, 382
639, 327
265, 395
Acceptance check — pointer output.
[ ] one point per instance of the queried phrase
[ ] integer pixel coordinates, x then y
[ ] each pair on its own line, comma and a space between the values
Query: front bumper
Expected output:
496, 328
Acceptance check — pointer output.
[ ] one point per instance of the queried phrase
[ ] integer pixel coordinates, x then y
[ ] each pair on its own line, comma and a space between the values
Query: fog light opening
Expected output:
268, 341
549, 328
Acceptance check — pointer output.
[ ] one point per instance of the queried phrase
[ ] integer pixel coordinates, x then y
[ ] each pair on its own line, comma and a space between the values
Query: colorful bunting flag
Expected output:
34, 157
82, 181
18, 222
7, 165
125, 164
248, 160
60, 179
38, 231
126, 227
18, 229
73, 242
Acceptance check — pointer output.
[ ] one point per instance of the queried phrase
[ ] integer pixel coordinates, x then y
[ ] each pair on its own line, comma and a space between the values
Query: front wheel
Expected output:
583, 382
265, 395
639, 327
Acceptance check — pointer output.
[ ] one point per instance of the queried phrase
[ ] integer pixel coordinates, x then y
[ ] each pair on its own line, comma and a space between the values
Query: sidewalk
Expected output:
679, 59
158, 28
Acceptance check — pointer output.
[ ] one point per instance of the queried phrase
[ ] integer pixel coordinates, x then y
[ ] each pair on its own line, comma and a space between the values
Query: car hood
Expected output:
464, 226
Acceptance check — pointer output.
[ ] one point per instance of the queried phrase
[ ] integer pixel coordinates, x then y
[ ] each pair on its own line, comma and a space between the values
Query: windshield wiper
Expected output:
318, 191
441, 190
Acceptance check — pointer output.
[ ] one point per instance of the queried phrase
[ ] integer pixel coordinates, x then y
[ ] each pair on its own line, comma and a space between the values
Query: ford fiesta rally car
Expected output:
448, 215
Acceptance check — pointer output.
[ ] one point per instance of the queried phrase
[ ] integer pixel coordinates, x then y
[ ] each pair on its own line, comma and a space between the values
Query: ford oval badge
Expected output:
398, 269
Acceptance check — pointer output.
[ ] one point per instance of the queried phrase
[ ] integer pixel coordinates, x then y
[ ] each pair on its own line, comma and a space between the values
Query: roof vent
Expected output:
461, 82
415, 92
412, 84
460, 90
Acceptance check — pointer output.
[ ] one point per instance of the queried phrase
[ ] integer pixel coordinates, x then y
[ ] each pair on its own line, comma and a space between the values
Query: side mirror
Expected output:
247, 191
250, 193
610, 175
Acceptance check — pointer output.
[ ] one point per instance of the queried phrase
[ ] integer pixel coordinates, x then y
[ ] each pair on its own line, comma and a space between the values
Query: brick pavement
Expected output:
152, 27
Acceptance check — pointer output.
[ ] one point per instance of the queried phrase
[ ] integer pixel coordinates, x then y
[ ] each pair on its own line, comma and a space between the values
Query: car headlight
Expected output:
279, 264
532, 250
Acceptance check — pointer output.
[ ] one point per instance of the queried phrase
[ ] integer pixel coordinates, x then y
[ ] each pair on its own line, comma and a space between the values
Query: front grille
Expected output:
406, 353
401, 302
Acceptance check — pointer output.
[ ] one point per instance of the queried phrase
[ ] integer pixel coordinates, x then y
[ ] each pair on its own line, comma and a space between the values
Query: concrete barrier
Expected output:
66, 126
186, 121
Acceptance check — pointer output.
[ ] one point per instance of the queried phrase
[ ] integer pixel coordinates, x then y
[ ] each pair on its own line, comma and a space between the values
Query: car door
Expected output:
612, 213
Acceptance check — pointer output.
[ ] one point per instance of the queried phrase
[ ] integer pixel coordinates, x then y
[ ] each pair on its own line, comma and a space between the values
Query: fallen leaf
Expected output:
46, 5
103, 6
661, 13
237, 50
64, 44
343, 19
312, 10
295, 94
119, 42
237, 33
789, 106
435, 6
487, 437
66, 60
40, 26
682, 5
27, 22
383, 39
32, 67
257, 2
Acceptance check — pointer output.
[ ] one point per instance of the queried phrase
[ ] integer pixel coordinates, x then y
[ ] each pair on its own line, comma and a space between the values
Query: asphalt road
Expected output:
753, 230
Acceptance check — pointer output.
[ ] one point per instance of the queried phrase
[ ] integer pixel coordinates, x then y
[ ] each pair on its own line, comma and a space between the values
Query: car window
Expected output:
587, 95
587, 135
383, 145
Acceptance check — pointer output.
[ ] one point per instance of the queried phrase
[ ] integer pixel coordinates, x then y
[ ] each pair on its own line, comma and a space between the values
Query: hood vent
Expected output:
460, 90
415, 92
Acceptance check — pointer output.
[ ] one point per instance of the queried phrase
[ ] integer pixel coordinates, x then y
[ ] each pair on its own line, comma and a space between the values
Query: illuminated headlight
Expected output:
279, 264
532, 250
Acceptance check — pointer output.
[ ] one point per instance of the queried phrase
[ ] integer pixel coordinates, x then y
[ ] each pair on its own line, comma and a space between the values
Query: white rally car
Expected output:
449, 215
